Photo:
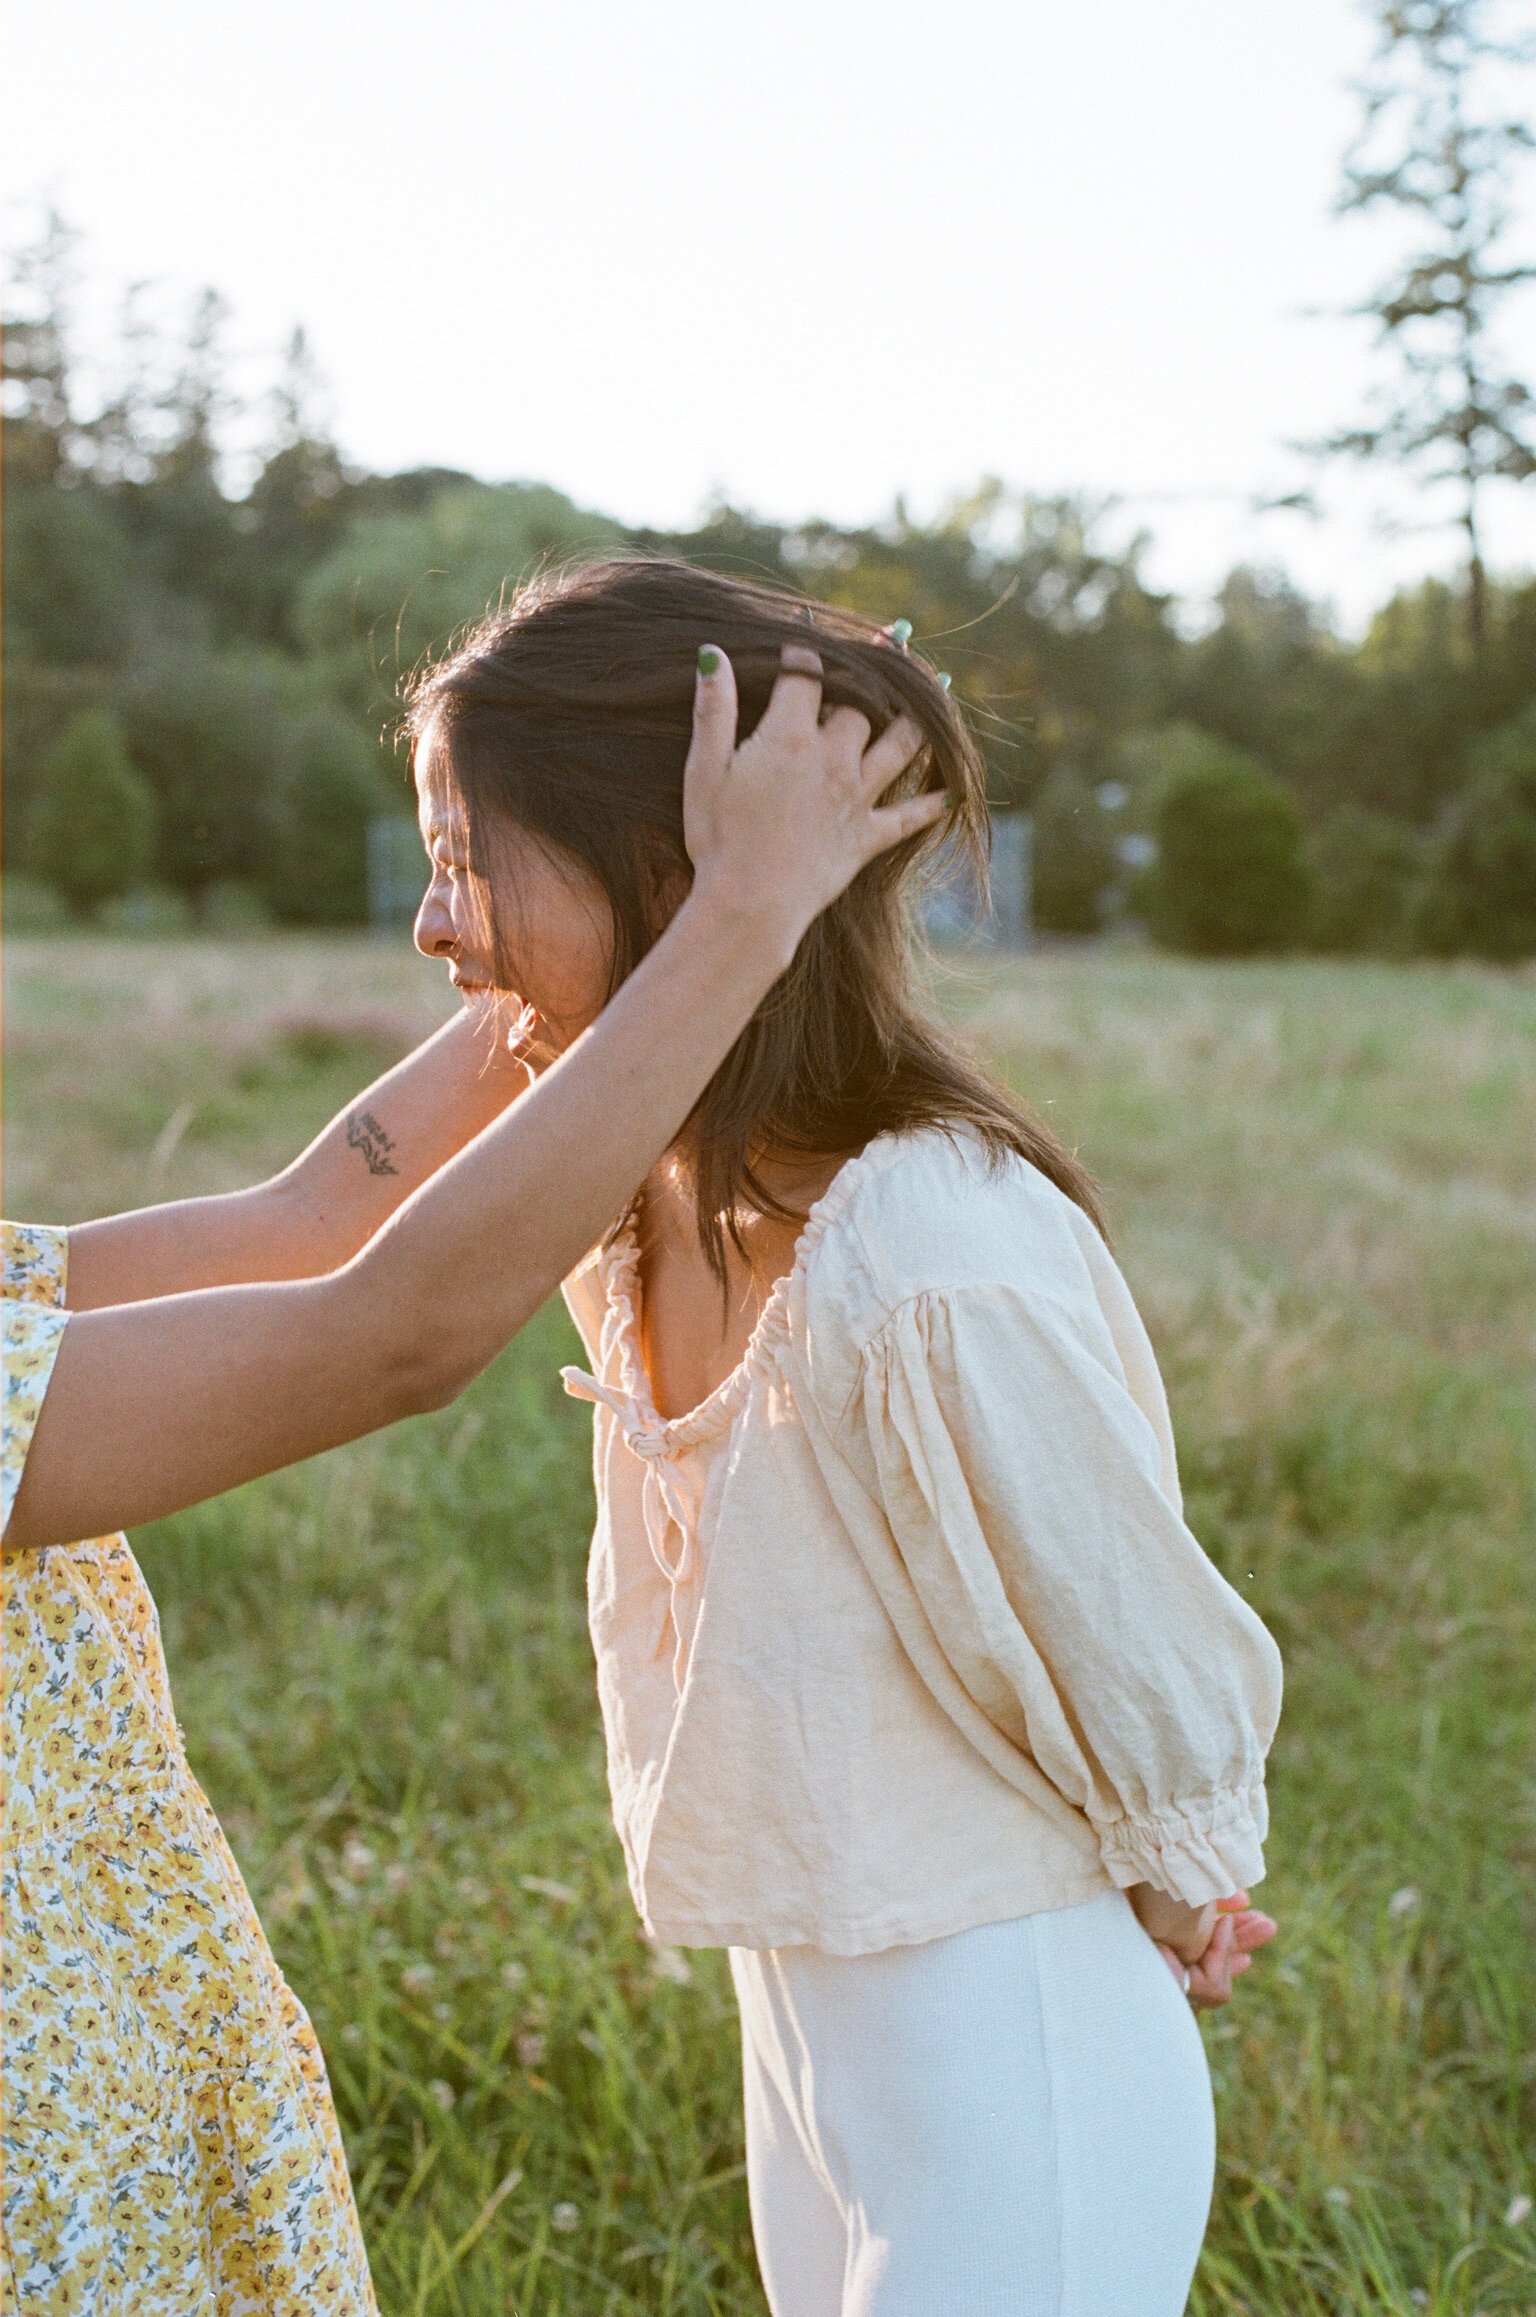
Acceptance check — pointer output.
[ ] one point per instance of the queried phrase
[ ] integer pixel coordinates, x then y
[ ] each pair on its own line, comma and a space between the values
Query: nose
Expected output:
433, 930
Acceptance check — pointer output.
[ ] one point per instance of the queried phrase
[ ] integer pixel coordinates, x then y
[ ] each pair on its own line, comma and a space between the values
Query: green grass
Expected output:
1319, 1179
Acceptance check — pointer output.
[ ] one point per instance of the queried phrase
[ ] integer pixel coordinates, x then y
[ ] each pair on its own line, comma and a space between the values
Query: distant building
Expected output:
956, 910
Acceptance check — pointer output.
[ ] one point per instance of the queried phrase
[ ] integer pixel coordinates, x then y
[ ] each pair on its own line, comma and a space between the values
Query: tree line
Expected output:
203, 666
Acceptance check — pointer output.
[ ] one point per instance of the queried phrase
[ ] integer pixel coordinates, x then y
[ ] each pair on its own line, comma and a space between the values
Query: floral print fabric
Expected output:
170, 2145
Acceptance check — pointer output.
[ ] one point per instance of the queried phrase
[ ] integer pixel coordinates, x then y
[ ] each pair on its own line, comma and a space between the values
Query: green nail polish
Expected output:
945, 678
901, 632
709, 659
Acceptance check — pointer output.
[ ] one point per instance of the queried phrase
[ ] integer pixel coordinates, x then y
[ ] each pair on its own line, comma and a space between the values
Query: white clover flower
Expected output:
543, 1888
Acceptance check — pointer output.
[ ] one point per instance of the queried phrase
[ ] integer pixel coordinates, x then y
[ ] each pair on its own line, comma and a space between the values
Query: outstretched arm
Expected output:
155, 1405
318, 1212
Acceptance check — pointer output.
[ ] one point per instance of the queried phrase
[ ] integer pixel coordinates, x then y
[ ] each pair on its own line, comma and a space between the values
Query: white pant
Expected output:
1014, 2122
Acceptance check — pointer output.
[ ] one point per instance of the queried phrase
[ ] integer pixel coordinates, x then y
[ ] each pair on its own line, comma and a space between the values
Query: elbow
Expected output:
431, 1369
423, 1381
427, 1343
397, 1356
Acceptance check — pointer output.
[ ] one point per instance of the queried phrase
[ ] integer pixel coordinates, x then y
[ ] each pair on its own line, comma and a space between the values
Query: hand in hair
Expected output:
158, 1402
783, 822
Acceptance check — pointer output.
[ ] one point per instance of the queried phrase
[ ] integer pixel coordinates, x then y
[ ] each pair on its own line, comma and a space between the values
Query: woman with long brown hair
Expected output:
918, 1691
169, 2138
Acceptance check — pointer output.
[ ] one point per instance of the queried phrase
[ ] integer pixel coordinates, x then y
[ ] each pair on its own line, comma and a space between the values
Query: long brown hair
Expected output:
568, 713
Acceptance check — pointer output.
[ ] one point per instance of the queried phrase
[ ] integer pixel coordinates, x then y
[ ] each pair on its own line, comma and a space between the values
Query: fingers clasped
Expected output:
1239, 1932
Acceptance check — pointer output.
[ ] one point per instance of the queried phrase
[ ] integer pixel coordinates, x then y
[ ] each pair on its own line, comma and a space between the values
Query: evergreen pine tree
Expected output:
1439, 143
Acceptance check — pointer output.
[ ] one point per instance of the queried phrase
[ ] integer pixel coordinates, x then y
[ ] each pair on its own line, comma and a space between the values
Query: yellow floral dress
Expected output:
170, 2145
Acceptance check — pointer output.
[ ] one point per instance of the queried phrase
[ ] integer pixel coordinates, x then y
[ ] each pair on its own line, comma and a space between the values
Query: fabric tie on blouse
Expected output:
963, 1659
666, 1508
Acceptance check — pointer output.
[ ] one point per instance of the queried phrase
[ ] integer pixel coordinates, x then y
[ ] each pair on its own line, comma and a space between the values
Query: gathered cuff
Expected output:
1196, 1850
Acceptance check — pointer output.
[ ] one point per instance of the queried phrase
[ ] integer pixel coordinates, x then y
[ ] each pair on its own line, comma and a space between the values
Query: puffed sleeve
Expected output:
1027, 1493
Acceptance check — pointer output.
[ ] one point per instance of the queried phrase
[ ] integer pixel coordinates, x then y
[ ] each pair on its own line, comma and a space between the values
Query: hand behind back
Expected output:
1236, 1936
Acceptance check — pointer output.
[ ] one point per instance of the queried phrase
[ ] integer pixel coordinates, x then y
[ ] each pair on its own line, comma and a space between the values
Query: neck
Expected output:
669, 1211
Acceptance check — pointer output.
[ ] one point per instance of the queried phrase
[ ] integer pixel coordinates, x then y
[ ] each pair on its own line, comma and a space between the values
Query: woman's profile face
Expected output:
551, 913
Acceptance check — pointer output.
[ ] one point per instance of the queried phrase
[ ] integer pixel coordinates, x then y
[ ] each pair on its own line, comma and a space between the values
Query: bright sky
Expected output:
809, 255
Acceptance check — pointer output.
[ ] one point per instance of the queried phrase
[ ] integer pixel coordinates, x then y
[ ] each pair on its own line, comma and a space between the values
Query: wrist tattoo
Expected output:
365, 1134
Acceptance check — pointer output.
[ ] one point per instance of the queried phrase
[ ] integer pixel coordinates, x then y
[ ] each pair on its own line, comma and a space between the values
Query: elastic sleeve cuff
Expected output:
1195, 1850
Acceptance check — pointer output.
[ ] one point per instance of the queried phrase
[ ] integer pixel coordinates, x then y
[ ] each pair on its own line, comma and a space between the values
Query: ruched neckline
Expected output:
922, 1546
649, 1433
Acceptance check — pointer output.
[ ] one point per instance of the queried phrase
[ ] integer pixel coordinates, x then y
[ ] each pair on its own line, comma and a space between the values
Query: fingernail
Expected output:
901, 632
709, 660
945, 678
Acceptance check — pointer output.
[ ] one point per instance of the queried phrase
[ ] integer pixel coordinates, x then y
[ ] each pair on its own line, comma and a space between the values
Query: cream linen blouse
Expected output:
900, 1631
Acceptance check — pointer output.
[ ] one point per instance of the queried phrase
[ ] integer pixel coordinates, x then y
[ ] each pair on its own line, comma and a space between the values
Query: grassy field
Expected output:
1321, 1187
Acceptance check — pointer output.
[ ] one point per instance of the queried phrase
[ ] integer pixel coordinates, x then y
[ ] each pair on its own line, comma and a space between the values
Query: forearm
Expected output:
156, 1405
587, 1134
328, 1203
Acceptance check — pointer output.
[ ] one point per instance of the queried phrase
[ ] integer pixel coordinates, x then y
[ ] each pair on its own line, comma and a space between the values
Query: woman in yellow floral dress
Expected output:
170, 2144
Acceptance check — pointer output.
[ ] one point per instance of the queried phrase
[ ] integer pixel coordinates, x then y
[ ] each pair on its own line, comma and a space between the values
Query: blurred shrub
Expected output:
93, 820
1367, 873
1146, 761
207, 733
1480, 898
330, 788
150, 911
38, 703
30, 906
1075, 862
1231, 878
232, 906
